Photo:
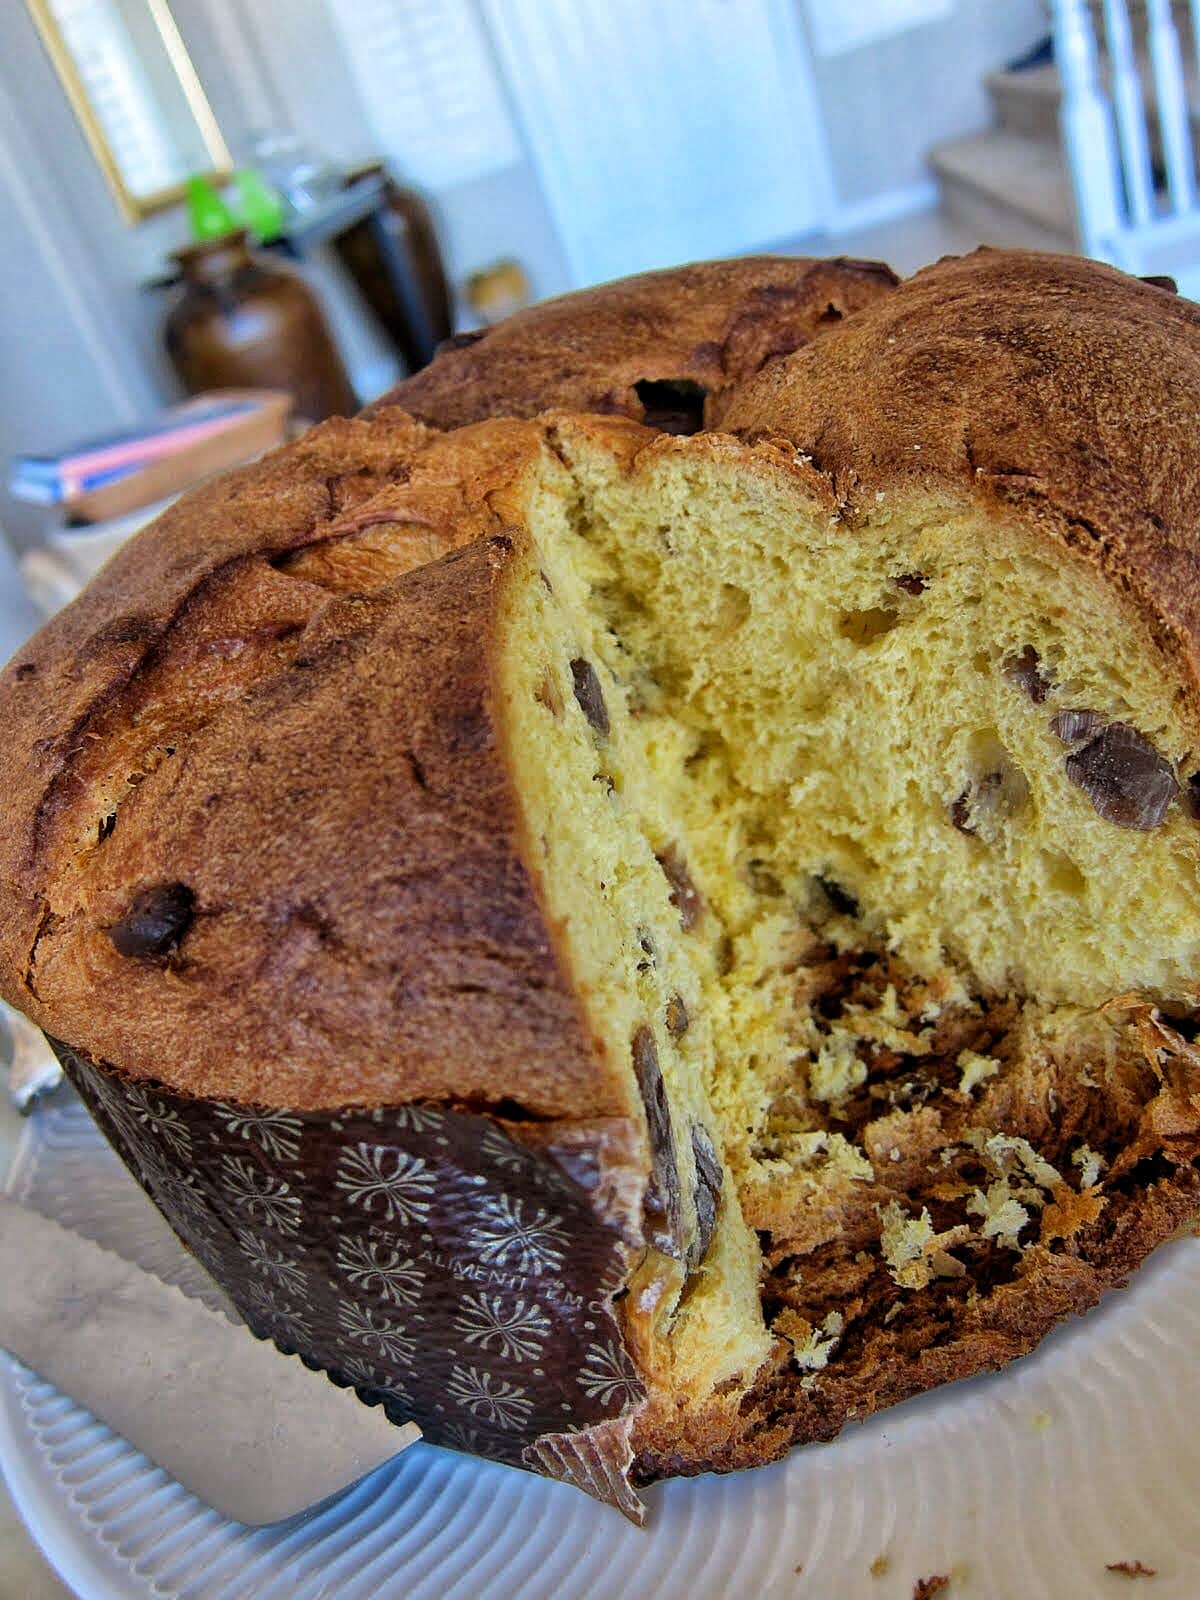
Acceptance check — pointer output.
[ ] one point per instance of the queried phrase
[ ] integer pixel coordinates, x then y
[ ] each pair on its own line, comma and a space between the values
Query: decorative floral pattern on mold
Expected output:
397, 1185
419, 1253
274, 1267
518, 1235
375, 1263
491, 1398
517, 1330
260, 1197
608, 1376
275, 1132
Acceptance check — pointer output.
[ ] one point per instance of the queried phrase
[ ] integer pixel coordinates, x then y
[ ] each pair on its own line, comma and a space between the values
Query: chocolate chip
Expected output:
911, 583
960, 812
677, 1018
1160, 280
1189, 796
1026, 672
709, 1178
1075, 725
661, 1206
589, 694
672, 405
105, 826
841, 900
1124, 777
26, 670
684, 896
646, 945
156, 921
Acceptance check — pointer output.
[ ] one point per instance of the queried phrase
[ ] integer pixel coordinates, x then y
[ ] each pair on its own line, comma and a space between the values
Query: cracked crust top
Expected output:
665, 348
1056, 390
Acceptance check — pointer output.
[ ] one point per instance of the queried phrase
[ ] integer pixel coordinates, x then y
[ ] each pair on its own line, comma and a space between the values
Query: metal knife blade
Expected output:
251, 1432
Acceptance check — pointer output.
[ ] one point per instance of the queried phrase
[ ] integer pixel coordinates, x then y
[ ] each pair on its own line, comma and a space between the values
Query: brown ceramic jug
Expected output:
243, 322
396, 261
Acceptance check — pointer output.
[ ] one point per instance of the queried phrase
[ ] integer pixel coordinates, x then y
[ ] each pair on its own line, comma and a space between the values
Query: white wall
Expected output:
77, 346
886, 103
503, 214
79, 342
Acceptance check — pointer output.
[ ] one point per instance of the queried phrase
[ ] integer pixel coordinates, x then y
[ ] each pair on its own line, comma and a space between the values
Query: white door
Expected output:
666, 130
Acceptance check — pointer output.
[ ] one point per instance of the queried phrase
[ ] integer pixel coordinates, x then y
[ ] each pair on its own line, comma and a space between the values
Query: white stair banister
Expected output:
1130, 108
1087, 131
1167, 66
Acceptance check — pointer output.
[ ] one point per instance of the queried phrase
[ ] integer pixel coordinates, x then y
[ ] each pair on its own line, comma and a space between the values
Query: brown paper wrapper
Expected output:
419, 1253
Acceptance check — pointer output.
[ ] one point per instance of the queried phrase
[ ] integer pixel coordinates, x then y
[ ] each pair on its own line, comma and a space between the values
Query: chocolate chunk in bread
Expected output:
156, 921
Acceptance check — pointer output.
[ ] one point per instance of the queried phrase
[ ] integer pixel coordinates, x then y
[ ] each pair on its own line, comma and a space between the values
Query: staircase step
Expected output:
1027, 102
1011, 188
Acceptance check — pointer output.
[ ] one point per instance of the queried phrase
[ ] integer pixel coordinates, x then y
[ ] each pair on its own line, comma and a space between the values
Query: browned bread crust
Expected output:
348, 942
711, 325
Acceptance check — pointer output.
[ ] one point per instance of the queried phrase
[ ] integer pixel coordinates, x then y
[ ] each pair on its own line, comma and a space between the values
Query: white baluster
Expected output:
1131, 112
1087, 131
1167, 66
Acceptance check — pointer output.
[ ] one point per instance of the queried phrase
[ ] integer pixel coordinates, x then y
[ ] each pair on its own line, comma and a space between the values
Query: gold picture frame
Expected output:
217, 163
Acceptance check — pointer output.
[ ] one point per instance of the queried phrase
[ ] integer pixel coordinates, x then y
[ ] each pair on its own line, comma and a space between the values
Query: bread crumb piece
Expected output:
837, 1071
1131, 1569
847, 1158
926, 1588
811, 1346
913, 1251
1090, 1166
880, 1564
1005, 1152
1069, 1213
904, 1238
974, 1068
817, 1348
1003, 1215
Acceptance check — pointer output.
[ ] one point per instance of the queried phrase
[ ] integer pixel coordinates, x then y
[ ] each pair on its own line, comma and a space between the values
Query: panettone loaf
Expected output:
637, 949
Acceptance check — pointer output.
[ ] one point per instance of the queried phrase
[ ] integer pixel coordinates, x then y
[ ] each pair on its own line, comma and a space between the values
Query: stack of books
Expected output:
106, 477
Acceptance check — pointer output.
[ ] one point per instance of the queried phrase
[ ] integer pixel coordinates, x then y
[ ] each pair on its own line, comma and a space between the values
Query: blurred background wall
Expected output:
867, 89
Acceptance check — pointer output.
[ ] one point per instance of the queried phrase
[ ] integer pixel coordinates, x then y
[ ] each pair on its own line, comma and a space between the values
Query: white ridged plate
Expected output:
1022, 1486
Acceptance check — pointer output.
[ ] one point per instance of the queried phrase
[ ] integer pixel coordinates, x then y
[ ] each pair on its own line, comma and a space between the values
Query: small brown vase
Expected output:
394, 257
244, 323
